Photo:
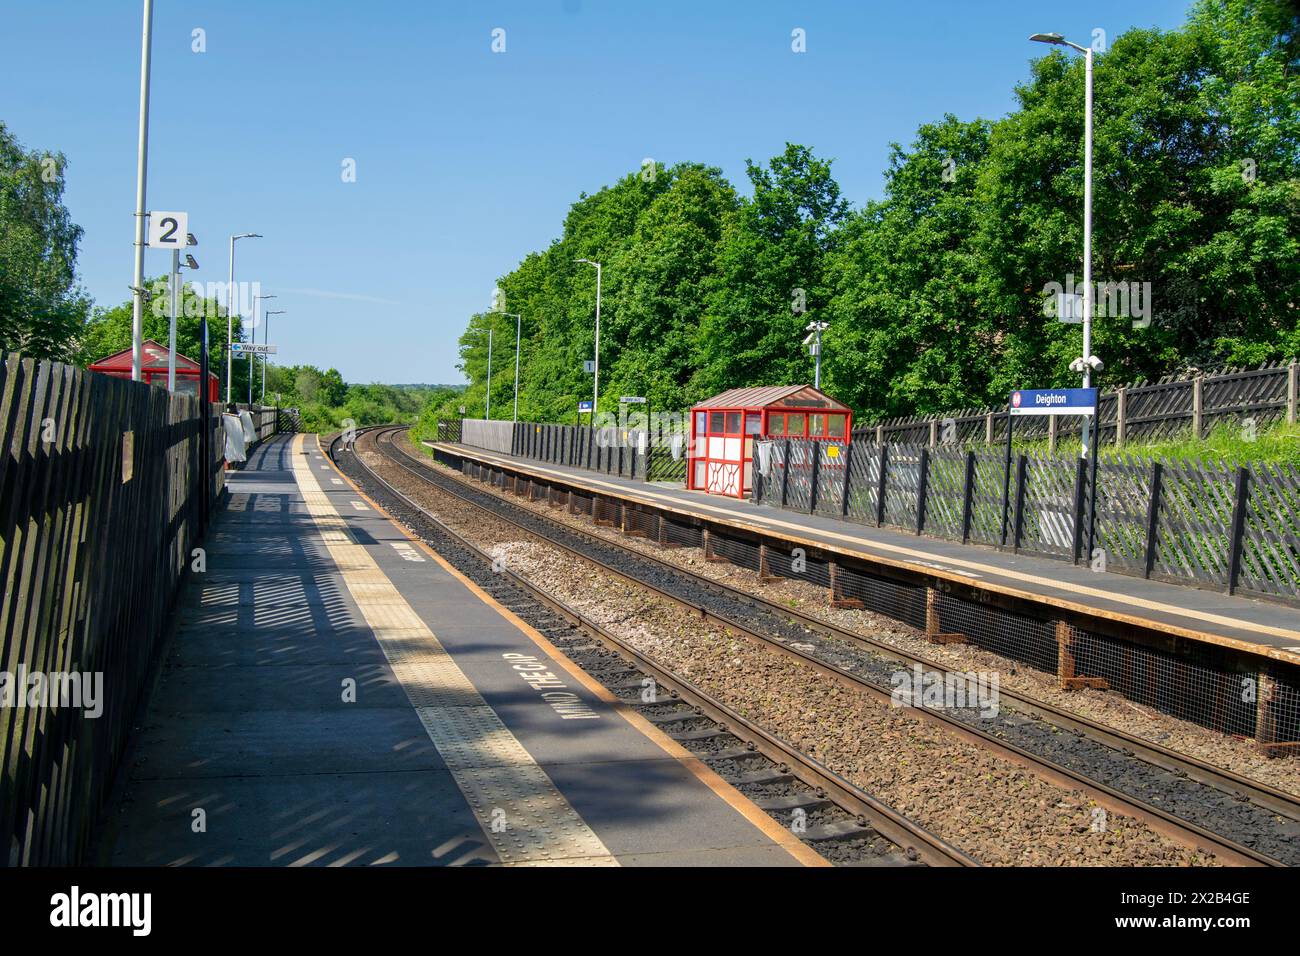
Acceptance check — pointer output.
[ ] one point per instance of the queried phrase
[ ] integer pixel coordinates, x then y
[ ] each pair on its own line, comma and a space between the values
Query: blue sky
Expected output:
467, 160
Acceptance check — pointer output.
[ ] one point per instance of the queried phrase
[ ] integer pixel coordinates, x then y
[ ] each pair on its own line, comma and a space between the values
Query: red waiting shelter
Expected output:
153, 369
724, 427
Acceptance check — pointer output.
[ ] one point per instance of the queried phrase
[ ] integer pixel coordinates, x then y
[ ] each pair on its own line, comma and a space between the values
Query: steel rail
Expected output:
916, 841
1242, 787
1163, 821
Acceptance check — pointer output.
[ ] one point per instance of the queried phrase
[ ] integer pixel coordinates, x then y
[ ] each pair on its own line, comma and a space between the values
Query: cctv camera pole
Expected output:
1086, 449
171, 332
141, 175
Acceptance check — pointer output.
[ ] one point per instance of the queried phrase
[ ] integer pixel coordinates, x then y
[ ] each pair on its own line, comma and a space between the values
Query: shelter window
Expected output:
776, 424
733, 423
716, 420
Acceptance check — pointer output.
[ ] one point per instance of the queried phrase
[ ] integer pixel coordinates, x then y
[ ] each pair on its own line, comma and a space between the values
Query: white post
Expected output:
1087, 242
487, 413
141, 175
519, 326
230, 320
171, 332
595, 379
266, 340
817, 369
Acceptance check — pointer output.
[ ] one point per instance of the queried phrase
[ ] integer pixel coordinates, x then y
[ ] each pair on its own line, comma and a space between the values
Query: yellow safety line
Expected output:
522, 813
927, 567
702, 771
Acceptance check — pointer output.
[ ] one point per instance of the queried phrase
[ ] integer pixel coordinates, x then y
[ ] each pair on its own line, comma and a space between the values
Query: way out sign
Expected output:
1054, 401
168, 230
248, 348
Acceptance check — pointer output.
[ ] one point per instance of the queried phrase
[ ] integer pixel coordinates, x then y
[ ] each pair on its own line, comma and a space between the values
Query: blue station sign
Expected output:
1054, 401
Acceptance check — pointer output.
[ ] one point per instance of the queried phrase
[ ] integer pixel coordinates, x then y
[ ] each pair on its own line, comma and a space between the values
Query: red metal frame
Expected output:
726, 475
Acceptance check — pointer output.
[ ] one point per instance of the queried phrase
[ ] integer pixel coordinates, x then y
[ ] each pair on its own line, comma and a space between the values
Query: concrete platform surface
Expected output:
335, 695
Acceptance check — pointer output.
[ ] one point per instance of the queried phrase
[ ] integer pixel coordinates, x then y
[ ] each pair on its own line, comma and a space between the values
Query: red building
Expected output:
153, 369
724, 427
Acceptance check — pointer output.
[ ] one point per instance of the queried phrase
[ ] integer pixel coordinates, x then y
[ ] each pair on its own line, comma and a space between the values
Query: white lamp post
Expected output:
266, 340
519, 324
1087, 362
141, 176
230, 309
595, 378
189, 263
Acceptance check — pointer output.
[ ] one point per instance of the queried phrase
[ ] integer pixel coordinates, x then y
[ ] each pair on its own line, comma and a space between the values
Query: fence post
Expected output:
968, 497
1292, 390
1080, 481
816, 470
1022, 467
1121, 416
1153, 516
934, 432
880, 488
785, 473
1051, 434
1198, 405
880, 434
988, 428
848, 477
1238, 527
923, 488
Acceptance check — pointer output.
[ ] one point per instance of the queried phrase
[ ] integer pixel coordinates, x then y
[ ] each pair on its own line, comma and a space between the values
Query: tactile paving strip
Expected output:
523, 815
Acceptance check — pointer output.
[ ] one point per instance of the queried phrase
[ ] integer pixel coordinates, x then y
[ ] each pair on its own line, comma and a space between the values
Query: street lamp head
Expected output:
276, 312
588, 262
247, 235
189, 262
1048, 38
190, 240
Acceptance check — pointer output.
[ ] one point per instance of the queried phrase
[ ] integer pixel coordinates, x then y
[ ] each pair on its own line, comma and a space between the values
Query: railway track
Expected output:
842, 822
1242, 807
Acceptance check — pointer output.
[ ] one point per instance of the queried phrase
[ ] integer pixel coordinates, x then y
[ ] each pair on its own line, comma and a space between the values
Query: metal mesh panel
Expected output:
864, 484
903, 486
1123, 502
741, 553
831, 463
1270, 549
1047, 525
683, 535
903, 602
1195, 515
797, 475
987, 499
945, 493
1019, 638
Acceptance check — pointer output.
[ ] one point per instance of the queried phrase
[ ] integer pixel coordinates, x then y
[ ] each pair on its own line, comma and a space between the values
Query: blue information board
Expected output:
1054, 401
584, 407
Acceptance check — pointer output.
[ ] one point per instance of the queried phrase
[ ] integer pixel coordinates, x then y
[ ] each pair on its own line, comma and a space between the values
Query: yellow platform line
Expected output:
725, 791
523, 815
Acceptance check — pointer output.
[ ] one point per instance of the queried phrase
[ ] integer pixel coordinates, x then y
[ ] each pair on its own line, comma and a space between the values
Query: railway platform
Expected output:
336, 694
1181, 613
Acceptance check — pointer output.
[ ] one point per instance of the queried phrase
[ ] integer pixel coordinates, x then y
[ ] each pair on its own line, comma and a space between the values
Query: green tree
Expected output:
41, 308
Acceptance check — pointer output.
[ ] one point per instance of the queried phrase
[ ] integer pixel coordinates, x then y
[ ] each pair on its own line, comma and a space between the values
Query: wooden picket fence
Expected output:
101, 502
1190, 405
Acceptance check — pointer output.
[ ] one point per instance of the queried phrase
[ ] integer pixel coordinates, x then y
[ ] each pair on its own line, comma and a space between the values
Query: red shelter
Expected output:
153, 369
724, 427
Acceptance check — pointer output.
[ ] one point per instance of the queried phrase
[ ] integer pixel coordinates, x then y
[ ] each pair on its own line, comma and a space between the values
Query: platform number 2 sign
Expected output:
167, 230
